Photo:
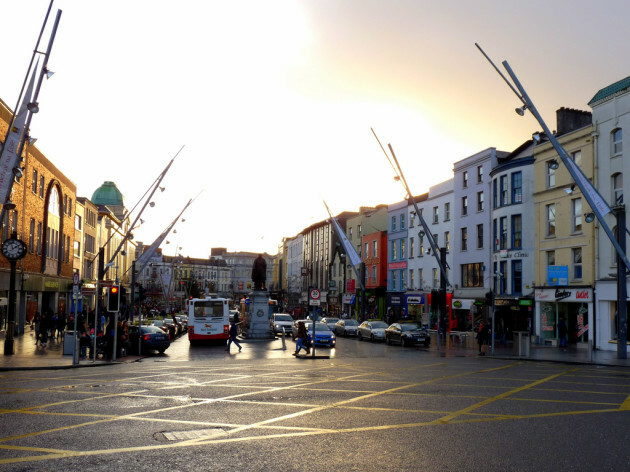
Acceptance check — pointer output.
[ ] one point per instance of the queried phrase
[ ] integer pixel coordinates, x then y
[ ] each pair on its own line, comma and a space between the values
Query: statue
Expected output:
259, 273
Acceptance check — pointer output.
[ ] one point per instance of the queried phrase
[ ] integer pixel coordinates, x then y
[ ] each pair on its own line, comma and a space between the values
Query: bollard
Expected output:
284, 343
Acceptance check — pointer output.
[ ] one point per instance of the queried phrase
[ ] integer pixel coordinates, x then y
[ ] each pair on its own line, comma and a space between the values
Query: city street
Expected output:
367, 407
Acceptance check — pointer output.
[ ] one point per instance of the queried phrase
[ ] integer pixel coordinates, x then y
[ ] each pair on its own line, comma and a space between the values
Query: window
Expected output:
374, 247
464, 206
402, 221
517, 232
70, 207
494, 193
480, 236
576, 215
517, 187
420, 278
503, 190
77, 222
366, 253
479, 174
617, 186
412, 219
447, 240
393, 223
517, 277
503, 237
551, 175
31, 236
576, 257
502, 276
472, 275
421, 252
403, 285
436, 215
447, 211
41, 186
65, 204
394, 250
374, 274
577, 158
34, 182
349, 233
402, 249
617, 145
411, 246
551, 258
77, 249
464, 234
436, 280
393, 282
495, 239
479, 201
39, 238
465, 179
550, 215
412, 282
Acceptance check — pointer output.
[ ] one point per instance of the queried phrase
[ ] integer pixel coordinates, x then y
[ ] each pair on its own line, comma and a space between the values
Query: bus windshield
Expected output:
208, 308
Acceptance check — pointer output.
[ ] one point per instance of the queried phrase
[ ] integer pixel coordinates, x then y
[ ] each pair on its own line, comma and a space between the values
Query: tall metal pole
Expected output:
622, 295
10, 333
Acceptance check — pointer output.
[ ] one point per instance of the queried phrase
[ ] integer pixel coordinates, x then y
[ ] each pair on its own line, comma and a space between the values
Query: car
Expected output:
330, 322
184, 321
372, 330
152, 338
323, 335
160, 324
279, 321
346, 328
407, 334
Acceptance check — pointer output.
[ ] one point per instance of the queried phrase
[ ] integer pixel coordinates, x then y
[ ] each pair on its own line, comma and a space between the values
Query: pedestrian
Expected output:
43, 329
481, 337
562, 333
61, 324
36, 321
232, 339
84, 337
301, 339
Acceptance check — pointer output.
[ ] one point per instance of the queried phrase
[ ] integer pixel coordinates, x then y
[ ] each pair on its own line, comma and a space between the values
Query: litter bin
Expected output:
521, 343
68, 343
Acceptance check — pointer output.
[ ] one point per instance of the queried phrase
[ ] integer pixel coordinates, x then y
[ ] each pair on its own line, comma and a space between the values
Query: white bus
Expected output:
208, 318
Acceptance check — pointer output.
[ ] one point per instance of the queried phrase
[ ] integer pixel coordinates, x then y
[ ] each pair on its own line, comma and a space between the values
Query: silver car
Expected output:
346, 328
279, 321
372, 330
330, 322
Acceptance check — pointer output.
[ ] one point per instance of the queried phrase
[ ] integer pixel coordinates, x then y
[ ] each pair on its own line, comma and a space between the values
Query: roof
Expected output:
108, 194
611, 90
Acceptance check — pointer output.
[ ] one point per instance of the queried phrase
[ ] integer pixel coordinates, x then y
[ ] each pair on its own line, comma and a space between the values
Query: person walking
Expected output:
301, 339
43, 329
232, 338
562, 333
482, 334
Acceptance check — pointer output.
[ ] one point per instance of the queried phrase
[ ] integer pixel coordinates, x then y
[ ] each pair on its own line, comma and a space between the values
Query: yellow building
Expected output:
564, 249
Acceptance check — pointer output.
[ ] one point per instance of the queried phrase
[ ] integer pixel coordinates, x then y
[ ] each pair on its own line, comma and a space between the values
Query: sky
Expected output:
274, 100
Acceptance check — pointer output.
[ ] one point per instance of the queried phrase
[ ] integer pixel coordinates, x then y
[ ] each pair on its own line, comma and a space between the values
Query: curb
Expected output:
70, 366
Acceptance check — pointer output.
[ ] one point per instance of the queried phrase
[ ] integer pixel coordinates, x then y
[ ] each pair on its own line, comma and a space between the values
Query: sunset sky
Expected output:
274, 100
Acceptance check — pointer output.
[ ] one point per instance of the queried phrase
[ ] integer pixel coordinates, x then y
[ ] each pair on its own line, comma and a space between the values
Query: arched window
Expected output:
617, 145
617, 188
53, 202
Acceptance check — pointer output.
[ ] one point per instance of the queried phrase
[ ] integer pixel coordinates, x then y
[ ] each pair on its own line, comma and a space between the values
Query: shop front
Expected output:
416, 309
395, 306
465, 313
512, 314
572, 305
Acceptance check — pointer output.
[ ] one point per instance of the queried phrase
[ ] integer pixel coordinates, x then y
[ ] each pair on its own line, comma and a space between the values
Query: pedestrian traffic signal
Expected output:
113, 298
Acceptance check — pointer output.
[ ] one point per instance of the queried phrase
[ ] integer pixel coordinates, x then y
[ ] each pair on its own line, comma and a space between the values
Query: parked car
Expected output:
372, 330
407, 334
160, 324
152, 338
330, 322
279, 321
346, 328
184, 321
323, 335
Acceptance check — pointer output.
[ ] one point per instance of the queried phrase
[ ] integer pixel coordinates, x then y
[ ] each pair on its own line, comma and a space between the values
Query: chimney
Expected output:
570, 119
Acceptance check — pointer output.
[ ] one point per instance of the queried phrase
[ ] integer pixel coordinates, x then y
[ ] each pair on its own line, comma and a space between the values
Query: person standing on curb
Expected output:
232, 339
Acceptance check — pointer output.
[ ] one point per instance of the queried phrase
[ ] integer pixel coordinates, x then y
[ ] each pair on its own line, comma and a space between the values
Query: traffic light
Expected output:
113, 298
435, 300
489, 298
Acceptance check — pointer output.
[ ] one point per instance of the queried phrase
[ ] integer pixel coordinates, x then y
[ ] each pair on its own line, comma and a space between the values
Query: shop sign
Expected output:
582, 328
414, 300
396, 300
557, 275
54, 284
526, 302
350, 285
347, 299
463, 304
397, 265
565, 295
371, 299
502, 302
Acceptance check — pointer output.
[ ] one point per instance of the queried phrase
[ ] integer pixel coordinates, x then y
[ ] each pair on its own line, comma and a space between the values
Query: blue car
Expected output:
152, 339
323, 335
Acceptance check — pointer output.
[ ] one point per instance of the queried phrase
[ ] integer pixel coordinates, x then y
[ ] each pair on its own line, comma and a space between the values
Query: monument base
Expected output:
259, 315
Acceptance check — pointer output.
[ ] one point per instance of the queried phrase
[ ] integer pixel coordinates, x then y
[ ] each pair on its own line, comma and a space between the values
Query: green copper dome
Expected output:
108, 194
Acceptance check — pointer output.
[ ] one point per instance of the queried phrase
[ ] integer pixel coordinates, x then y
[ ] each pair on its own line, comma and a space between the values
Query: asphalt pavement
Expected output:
29, 356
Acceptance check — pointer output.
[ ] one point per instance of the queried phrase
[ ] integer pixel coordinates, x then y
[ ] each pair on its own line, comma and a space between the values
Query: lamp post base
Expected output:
8, 347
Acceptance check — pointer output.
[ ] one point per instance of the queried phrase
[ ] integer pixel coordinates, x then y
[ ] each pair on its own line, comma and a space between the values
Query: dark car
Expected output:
152, 339
407, 334
346, 328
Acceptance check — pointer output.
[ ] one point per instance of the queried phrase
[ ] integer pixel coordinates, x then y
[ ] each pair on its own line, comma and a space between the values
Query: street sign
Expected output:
75, 278
314, 294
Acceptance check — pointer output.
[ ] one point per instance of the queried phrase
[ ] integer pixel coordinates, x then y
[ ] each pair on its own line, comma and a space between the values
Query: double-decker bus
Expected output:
208, 318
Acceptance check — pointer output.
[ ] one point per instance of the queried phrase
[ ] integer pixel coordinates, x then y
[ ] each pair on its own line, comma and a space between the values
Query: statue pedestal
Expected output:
259, 315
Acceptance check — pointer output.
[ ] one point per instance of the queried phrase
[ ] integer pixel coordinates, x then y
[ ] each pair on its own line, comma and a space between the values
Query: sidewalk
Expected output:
27, 356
